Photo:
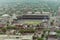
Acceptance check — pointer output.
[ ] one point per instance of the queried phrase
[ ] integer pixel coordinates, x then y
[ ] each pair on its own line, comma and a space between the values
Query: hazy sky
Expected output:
8, 1
16, 0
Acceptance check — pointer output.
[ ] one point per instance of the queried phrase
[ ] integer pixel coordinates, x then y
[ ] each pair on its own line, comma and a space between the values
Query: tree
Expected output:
40, 39
58, 34
4, 29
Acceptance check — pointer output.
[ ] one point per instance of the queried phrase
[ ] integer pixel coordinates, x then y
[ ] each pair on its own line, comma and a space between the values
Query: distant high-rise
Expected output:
58, 14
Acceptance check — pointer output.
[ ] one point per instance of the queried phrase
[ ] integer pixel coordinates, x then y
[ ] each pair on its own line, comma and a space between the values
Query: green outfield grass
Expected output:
33, 22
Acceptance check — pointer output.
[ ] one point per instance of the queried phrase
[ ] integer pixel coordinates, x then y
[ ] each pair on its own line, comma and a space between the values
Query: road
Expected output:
52, 39
15, 37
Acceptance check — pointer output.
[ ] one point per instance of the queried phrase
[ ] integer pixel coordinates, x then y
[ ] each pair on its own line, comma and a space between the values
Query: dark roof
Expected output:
34, 17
